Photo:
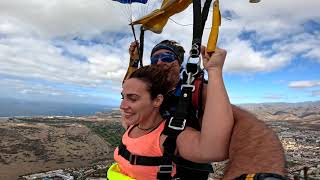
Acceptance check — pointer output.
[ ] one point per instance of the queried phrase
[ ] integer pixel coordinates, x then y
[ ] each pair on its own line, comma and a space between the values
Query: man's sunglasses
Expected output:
167, 57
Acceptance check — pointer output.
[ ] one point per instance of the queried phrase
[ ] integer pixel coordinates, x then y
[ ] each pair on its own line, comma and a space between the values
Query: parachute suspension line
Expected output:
130, 10
147, 8
127, 12
185, 24
151, 5
142, 10
116, 5
180, 23
133, 31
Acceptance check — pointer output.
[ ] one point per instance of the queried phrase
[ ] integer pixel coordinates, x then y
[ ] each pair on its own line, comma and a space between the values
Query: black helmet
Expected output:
172, 46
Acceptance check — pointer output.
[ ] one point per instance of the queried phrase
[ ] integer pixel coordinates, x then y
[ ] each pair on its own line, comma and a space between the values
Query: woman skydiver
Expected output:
144, 93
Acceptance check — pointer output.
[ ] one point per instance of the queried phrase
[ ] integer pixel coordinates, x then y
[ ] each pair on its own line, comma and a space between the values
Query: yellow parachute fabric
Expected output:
156, 20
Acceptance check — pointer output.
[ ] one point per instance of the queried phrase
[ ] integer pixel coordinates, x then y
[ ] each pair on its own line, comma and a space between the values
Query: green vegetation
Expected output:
111, 132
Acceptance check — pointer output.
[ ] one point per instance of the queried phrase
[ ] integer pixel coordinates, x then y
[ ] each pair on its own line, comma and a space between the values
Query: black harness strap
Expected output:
193, 166
261, 176
164, 162
173, 128
197, 28
140, 160
141, 46
178, 121
199, 21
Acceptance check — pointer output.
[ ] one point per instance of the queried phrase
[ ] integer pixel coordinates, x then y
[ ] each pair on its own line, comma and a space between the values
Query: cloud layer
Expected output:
84, 43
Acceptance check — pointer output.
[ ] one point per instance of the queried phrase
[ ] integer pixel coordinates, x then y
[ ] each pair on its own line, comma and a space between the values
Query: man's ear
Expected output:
158, 100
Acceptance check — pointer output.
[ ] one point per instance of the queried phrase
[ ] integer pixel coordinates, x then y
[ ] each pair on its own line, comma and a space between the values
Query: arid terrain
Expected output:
39, 144
30, 145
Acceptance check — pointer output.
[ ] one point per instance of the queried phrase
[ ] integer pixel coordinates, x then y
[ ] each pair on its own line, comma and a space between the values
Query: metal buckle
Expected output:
175, 127
191, 75
188, 85
194, 52
196, 61
167, 168
132, 159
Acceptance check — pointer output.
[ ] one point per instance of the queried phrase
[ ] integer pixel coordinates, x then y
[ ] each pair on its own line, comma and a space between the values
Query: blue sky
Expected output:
76, 50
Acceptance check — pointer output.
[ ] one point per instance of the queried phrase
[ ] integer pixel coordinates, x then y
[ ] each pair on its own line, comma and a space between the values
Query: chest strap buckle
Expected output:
178, 125
165, 168
132, 159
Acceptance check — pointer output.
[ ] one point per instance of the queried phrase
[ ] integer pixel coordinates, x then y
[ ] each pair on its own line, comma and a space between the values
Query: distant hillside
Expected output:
285, 111
14, 107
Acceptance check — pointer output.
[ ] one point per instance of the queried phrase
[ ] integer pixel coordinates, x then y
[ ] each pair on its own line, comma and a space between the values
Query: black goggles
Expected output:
167, 57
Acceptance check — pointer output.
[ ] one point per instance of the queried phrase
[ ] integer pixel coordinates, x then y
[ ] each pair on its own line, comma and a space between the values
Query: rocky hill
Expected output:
35, 144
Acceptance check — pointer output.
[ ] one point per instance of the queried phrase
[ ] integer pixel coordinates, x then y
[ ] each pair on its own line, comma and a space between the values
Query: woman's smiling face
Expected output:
136, 104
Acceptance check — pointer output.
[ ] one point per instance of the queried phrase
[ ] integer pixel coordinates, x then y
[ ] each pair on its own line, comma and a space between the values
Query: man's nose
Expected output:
160, 62
165, 63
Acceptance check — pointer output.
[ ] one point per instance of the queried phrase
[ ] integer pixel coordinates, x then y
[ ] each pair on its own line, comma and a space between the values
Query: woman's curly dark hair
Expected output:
156, 78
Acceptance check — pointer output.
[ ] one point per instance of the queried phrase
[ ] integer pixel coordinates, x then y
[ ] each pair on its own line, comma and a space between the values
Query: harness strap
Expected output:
169, 146
141, 46
178, 122
261, 176
140, 160
174, 127
197, 95
199, 20
193, 166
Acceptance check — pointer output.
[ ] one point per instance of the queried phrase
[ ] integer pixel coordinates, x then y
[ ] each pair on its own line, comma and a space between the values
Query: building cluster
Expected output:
302, 148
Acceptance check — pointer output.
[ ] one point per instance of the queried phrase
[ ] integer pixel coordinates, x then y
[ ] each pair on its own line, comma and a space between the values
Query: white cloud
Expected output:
269, 19
58, 17
314, 54
304, 84
315, 93
30, 88
37, 90
242, 58
34, 34
36, 58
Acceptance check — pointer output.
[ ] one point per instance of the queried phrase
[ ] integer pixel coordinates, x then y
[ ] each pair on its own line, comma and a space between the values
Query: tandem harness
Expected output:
192, 81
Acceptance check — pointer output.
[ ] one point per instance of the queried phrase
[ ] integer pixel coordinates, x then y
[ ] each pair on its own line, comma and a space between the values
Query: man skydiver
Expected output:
171, 53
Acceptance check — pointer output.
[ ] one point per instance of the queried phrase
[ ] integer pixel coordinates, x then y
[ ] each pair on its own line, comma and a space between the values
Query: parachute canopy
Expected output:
156, 20
153, 15
131, 1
